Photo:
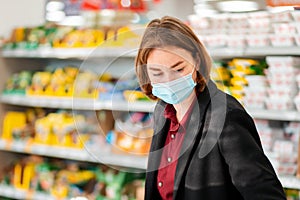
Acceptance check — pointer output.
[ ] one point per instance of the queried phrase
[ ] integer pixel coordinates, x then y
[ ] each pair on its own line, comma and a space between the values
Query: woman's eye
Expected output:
180, 70
157, 74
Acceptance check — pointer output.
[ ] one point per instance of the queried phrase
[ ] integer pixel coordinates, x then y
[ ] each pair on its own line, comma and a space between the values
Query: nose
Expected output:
168, 77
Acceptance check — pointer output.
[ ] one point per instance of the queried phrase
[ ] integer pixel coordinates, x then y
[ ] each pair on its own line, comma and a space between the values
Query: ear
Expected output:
197, 61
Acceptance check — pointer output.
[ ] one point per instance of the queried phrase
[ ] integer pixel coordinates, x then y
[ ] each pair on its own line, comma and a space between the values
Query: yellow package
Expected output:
13, 120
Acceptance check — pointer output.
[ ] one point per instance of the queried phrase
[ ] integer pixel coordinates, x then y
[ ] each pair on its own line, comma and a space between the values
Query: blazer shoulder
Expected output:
233, 104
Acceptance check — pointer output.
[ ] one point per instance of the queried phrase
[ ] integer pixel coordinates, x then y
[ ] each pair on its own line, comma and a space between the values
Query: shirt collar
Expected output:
170, 113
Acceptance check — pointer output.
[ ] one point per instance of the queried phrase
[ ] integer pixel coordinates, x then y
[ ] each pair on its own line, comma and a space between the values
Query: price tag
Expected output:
61, 152
10, 191
8, 145
18, 146
28, 146
82, 155
41, 196
29, 194
19, 194
41, 149
2, 144
6, 190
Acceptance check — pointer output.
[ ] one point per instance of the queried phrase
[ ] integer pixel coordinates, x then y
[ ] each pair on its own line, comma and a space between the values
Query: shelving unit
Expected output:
82, 53
138, 162
105, 156
76, 103
67, 53
11, 192
91, 104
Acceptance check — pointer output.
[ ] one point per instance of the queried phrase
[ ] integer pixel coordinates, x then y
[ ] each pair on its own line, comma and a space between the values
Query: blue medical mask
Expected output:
175, 91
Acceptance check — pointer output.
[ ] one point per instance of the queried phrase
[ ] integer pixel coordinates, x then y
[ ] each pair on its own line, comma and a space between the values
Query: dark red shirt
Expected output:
169, 158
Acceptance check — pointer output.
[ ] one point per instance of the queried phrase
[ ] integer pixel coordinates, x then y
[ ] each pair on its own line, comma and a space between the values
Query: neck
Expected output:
183, 106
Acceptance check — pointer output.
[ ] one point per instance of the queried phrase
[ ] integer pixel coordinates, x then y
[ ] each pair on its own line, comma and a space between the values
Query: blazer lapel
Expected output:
193, 128
158, 140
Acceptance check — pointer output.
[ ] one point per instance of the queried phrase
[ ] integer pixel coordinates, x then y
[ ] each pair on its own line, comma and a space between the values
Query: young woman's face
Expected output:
168, 64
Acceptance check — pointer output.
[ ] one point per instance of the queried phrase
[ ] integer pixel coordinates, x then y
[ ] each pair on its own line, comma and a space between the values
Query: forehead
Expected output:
168, 55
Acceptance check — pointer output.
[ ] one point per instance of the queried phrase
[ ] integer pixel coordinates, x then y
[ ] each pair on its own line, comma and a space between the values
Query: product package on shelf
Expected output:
132, 134
244, 72
253, 29
69, 81
292, 194
125, 89
220, 74
60, 129
267, 134
281, 75
47, 37
242, 78
280, 143
64, 81
62, 179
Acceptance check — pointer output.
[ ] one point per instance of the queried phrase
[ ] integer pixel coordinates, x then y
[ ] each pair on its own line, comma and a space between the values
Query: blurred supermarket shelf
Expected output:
67, 53
92, 104
102, 155
229, 52
76, 103
83, 53
268, 51
290, 182
128, 106
226, 52
274, 114
14, 193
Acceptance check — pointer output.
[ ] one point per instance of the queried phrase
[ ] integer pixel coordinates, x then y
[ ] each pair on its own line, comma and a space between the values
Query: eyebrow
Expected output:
154, 69
176, 64
172, 66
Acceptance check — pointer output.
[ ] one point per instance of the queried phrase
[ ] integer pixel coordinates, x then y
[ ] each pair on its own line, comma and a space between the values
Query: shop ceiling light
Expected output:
125, 3
54, 6
237, 6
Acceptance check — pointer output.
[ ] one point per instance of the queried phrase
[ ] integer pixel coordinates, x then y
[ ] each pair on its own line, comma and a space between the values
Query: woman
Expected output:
205, 145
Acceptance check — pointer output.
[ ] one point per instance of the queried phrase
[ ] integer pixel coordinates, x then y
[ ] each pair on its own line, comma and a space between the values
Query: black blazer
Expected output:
221, 156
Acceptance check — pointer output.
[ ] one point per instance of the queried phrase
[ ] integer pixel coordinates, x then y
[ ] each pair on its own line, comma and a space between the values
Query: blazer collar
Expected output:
192, 130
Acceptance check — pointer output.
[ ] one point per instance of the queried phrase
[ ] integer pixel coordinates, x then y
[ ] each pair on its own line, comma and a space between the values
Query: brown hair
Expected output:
169, 31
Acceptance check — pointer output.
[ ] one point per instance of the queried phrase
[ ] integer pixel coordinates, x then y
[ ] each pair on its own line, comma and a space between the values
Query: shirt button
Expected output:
160, 184
172, 136
169, 159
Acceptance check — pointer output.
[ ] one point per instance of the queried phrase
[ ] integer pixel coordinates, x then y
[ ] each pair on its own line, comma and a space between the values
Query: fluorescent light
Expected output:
237, 6
54, 6
125, 3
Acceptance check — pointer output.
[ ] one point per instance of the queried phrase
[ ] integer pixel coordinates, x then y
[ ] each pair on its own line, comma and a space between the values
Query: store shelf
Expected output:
11, 192
102, 155
91, 104
66, 53
48, 102
269, 51
274, 114
225, 52
127, 106
290, 182
83, 53
76, 103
